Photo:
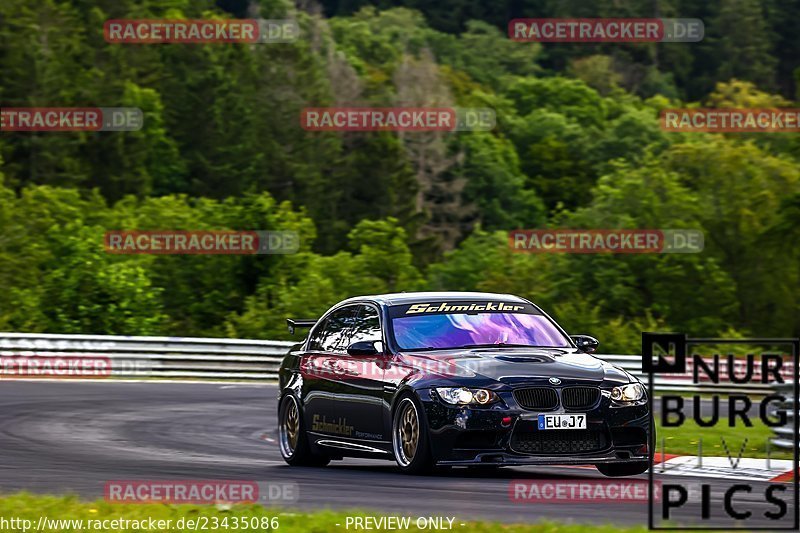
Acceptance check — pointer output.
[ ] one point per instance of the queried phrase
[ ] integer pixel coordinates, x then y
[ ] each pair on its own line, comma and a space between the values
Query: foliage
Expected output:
577, 144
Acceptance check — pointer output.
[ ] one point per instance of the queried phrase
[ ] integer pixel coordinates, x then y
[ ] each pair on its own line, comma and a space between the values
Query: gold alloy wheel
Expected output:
291, 428
407, 432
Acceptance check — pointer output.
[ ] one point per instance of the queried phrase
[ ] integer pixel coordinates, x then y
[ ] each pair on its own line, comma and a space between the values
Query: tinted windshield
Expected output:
456, 330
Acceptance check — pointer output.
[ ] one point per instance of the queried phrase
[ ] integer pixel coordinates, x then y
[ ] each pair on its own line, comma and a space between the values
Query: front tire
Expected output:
412, 450
292, 437
623, 469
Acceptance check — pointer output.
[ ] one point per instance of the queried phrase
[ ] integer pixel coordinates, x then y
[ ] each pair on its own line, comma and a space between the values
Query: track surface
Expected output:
72, 437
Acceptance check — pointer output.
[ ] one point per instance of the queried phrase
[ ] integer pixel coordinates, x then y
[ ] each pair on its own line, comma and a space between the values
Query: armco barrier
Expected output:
192, 357
237, 359
784, 435
159, 357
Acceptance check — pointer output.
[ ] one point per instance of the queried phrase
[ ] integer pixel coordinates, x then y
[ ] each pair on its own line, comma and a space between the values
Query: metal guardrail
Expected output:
785, 435
161, 357
237, 359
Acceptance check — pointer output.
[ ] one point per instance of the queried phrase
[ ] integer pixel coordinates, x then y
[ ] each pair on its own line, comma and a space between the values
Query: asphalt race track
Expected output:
73, 437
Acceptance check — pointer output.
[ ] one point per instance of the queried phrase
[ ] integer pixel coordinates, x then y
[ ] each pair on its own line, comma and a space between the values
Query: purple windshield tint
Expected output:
455, 330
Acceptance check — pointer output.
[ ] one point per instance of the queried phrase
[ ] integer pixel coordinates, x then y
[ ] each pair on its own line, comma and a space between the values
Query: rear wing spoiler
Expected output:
295, 323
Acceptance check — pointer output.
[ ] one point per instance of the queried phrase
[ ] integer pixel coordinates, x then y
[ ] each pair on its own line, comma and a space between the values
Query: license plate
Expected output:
577, 421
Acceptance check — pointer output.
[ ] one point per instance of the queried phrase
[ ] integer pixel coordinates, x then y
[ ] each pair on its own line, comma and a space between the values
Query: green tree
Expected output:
741, 41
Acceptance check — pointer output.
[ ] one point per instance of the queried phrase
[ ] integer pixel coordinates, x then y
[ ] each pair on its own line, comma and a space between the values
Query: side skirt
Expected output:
367, 449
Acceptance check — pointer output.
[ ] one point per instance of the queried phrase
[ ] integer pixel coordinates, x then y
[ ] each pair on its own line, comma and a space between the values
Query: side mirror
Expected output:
586, 343
365, 348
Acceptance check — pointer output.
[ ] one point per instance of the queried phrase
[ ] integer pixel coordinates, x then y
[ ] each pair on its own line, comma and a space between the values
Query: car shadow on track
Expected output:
472, 472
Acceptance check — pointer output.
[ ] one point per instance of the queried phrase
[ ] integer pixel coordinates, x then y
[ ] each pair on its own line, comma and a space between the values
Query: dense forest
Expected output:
577, 144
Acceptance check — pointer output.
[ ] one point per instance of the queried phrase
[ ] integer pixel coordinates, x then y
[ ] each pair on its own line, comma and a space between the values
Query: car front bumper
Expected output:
505, 434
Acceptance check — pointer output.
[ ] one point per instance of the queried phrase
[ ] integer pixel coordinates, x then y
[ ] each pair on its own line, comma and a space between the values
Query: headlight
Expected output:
628, 393
465, 396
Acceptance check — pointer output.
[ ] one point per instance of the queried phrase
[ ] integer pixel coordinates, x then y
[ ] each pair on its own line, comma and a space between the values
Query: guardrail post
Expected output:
769, 451
700, 453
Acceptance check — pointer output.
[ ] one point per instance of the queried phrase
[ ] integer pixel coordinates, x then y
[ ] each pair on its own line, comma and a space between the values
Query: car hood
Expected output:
518, 366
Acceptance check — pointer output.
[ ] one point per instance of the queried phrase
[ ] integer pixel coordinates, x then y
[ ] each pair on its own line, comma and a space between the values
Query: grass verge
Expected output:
215, 518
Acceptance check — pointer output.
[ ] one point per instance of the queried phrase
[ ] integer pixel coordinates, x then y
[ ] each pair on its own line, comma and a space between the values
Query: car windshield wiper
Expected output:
495, 344
487, 345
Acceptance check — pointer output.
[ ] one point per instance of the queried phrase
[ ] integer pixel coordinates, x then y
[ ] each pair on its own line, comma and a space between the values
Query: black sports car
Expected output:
456, 378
